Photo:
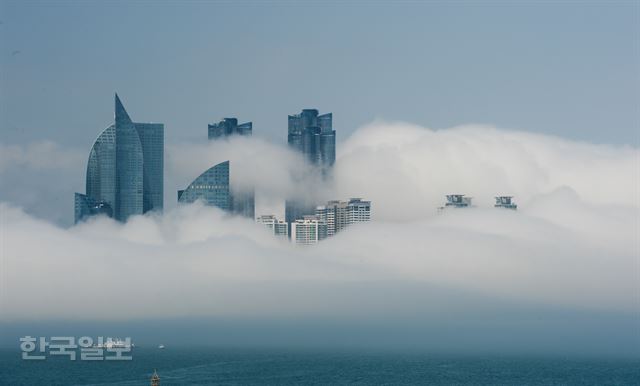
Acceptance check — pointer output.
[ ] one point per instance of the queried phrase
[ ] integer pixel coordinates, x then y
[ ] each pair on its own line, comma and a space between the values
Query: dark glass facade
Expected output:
85, 207
101, 168
229, 126
125, 171
312, 135
242, 202
212, 187
129, 166
152, 139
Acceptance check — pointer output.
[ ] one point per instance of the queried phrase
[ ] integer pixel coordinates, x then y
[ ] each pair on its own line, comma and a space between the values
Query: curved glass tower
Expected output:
125, 170
212, 187
101, 168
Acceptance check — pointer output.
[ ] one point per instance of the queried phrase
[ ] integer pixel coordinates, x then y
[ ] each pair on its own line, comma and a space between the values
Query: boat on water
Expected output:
161, 346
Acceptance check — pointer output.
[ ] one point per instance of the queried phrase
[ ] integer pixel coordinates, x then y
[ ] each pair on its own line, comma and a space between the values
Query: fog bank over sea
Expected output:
560, 273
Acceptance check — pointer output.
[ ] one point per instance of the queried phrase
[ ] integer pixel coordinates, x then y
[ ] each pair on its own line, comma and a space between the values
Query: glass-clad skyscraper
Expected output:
129, 166
229, 126
125, 171
101, 168
242, 201
212, 187
313, 136
85, 206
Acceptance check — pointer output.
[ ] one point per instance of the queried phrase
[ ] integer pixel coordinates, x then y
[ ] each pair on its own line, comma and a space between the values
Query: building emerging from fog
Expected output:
229, 126
242, 202
125, 171
340, 214
278, 227
457, 201
313, 136
505, 202
308, 230
212, 187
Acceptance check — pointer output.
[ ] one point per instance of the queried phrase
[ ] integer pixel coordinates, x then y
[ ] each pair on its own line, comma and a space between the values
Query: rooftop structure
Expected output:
228, 127
505, 202
457, 201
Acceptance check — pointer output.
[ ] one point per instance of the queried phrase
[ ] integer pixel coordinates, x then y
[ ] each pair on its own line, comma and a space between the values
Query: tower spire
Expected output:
121, 114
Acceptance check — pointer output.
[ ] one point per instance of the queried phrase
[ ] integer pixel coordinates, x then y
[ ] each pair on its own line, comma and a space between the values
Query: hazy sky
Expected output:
568, 69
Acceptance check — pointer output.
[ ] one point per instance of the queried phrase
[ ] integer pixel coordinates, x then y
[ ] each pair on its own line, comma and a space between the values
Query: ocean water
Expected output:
208, 366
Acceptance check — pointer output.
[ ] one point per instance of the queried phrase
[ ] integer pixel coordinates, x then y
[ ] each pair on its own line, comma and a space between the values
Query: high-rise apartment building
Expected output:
358, 211
212, 187
278, 227
340, 214
308, 230
242, 202
313, 136
125, 171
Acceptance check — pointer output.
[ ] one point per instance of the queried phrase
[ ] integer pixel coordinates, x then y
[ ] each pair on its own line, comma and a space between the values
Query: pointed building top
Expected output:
121, 114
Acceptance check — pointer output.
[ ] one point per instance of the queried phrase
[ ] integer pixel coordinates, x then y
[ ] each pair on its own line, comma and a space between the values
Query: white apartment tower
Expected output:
308, 230
278, 227
340, 214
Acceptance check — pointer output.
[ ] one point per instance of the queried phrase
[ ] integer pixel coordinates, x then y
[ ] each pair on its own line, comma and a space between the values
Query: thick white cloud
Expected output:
573, 243
406, 170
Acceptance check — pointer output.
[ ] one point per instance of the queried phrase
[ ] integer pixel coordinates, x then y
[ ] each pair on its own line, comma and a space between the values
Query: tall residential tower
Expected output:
340, 214
313, 136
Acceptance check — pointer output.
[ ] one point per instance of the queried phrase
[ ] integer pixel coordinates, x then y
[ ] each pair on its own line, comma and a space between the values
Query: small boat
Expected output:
161, 346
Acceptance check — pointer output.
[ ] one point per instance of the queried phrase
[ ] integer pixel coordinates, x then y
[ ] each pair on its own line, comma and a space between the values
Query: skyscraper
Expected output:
212, 187
242, 202
229, 126
313, 136
125, 171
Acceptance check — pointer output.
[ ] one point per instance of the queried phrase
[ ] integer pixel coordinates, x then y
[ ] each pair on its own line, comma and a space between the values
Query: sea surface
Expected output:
209, 366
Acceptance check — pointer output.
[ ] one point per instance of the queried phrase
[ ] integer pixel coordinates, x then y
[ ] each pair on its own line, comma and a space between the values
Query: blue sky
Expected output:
569, 69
